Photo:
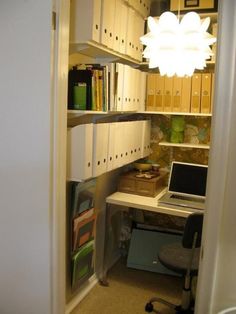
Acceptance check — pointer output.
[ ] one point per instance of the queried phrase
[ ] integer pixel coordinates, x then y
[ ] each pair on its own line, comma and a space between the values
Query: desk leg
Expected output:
106, 252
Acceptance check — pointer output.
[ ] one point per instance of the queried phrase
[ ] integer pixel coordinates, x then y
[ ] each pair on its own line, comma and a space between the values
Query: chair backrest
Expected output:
193, 226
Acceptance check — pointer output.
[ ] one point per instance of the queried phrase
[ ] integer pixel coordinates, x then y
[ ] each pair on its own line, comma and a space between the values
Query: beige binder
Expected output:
186, 94
159, 91
150, 92
212, 90
206, 93
214, 33
177, 94
196, 93
168, 89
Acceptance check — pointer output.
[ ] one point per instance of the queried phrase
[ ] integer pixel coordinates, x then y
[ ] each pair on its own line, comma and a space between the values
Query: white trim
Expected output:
58, 154
87, 287
221, 151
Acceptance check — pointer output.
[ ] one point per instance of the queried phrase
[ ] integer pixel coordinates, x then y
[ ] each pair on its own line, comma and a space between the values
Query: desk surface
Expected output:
147, 203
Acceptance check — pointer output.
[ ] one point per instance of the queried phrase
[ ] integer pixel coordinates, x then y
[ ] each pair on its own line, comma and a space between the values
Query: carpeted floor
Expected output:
129, 291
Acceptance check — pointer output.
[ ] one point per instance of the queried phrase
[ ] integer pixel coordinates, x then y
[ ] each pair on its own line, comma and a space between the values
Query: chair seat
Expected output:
176, 258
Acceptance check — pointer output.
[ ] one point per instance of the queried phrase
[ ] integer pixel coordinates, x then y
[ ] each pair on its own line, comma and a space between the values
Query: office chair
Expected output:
182, 258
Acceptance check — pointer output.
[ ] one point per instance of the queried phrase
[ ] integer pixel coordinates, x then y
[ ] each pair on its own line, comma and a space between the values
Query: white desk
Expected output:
140, 202
147, 203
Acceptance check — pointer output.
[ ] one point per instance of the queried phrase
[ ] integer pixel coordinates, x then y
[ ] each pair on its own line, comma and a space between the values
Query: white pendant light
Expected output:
178, 47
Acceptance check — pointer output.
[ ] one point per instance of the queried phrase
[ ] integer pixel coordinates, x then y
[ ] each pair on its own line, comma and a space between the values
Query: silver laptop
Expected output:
187, 186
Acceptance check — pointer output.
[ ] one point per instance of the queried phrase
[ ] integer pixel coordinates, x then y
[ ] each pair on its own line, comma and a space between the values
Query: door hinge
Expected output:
54, 20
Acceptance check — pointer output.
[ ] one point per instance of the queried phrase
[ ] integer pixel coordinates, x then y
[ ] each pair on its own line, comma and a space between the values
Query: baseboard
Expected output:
92, 281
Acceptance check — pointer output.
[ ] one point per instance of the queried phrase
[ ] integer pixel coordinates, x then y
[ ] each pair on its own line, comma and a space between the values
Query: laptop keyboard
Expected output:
186, 198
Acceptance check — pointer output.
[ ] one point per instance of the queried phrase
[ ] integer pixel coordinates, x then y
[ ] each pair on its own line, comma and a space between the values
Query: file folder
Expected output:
206, 93
150, 92
81, 12
159, 91
82, 264
168, 89
186, 94
79, 152
100, 148
196, 93
177, 94
83, 228
83, 194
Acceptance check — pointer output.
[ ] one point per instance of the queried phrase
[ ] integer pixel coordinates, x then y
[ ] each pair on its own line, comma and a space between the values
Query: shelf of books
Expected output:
98, 89
185, 145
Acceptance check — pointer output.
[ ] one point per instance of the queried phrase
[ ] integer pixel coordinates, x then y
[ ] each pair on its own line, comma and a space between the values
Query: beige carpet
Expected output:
129, 291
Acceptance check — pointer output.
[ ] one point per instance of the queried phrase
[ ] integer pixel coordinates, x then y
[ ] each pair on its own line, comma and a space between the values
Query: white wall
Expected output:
25, 156
217, 280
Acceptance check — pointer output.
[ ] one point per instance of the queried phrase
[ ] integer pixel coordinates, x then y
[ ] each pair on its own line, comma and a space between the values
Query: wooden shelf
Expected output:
98, 51
177, 113
185, 145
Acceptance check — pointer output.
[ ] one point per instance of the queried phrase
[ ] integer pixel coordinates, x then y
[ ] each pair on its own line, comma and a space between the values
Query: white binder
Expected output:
79, 152
111, 146
143, 86
146, 137
118, 145
119, 91
138, 139
83, 12
117, 26
126, 100
100, 148
138, 32
123, 27
107, 22
130, 33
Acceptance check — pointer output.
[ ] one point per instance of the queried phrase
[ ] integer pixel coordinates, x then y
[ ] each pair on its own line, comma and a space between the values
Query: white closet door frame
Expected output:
217, 282
59, 73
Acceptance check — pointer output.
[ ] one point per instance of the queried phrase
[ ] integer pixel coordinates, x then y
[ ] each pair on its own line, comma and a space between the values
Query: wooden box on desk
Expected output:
129, 183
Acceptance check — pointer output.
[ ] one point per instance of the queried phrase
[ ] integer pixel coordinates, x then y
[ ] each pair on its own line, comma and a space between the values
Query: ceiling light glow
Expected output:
178, 47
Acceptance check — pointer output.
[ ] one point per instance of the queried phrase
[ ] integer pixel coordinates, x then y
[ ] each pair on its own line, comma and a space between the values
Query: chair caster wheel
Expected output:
149, 307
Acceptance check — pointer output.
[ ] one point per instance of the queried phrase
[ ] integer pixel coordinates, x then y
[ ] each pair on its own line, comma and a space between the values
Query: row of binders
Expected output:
93, 149
130, 88
174, 94
82, 226
114, 87
116, 24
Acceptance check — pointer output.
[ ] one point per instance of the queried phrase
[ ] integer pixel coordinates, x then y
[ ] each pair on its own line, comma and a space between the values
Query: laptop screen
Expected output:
188, 179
